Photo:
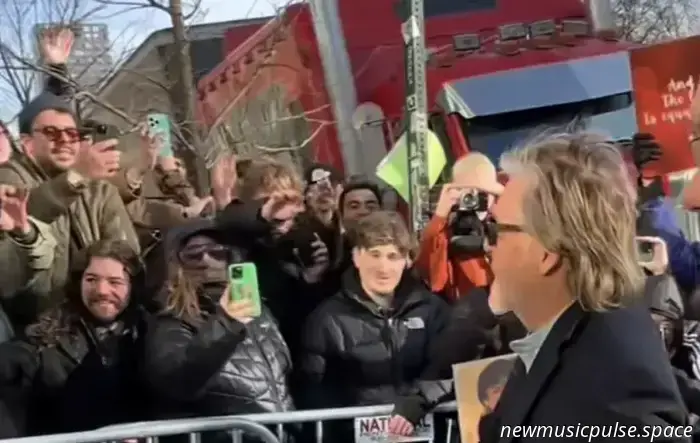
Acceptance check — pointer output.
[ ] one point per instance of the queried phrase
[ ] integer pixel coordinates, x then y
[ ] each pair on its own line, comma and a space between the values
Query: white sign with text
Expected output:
376, 430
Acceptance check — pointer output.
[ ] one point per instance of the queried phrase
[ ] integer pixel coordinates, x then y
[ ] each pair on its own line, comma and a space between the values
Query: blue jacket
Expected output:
684, 255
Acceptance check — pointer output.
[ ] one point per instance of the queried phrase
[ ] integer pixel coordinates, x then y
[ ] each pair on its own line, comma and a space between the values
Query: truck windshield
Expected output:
492, 135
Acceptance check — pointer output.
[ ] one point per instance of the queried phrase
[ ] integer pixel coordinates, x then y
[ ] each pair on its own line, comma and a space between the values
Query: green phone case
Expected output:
159, 124
243, 279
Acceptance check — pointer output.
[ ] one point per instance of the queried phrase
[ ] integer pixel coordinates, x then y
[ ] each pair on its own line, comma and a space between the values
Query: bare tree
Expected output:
251, 125
648, 21
181, 78
21, 23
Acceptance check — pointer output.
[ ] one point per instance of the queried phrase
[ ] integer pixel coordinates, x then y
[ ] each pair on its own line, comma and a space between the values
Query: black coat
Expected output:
355, 353
78, 384
218, 367
594, 368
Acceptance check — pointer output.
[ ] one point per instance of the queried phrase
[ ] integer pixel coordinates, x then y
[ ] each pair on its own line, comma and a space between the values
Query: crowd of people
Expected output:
117, 307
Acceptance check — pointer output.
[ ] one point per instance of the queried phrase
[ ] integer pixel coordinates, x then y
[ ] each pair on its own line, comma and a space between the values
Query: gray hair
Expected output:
582, 205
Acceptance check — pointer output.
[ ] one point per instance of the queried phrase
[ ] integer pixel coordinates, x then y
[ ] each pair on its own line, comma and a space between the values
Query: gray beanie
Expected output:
42, 102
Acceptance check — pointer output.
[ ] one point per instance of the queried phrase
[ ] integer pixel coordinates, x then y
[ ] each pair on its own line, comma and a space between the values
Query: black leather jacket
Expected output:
218, 367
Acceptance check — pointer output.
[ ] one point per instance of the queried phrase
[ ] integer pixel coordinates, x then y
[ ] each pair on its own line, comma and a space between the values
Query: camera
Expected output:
236, 273
473, 201
468, 230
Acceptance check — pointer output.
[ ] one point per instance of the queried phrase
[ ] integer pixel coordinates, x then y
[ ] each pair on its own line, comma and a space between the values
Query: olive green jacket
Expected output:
34, 276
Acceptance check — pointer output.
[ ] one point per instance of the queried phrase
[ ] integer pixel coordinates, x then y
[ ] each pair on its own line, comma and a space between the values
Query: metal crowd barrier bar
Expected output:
148, 430
253, 424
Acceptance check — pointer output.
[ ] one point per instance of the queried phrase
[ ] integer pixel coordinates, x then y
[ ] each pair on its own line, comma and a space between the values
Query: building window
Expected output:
434, 8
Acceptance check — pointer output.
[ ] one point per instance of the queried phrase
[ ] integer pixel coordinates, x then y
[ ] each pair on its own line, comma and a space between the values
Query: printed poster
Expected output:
478, 387
375, 430
664, 80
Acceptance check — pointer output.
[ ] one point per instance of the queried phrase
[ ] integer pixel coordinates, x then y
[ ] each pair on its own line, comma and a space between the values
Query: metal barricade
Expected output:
152, 430
252, 424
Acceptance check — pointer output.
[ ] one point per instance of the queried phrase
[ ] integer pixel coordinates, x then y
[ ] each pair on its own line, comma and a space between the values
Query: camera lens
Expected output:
236, 273
469, 201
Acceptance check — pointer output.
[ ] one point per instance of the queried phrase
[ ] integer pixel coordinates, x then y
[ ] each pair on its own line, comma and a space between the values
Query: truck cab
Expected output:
499, 72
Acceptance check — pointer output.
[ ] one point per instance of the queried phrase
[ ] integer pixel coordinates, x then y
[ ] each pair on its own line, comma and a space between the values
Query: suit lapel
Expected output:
522, 390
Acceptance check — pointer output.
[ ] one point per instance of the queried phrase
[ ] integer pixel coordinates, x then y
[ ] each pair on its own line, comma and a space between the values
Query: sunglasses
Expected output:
55, 134
197, 254
493, 229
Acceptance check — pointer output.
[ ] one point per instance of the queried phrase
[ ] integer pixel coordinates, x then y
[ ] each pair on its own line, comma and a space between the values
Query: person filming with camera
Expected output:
455, 266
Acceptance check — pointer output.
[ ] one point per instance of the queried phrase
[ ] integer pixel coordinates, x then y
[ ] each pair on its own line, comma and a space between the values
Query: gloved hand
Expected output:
645, 149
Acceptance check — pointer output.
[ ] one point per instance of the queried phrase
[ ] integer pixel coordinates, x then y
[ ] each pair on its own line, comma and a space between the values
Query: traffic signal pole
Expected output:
413, 31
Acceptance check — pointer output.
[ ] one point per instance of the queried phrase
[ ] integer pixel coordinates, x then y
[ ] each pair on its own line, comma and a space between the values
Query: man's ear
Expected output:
550, 262
356, 256
26, 144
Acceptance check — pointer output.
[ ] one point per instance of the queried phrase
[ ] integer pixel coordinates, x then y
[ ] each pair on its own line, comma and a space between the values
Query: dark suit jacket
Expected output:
608, 369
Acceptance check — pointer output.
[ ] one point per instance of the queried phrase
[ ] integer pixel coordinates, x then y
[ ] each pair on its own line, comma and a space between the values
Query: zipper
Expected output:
390, 337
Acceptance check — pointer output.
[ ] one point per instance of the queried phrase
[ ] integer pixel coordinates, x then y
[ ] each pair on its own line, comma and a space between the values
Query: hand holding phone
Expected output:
244, 287
653, 254
159, 128
239, 310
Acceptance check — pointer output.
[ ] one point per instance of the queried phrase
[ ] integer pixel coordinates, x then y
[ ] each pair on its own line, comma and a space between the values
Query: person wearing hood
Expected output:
76, 368
207, 355
368, 344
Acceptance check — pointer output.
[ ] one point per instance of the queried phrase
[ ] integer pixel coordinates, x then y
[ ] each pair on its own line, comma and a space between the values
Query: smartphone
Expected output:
159, 125
645, 250
243, 280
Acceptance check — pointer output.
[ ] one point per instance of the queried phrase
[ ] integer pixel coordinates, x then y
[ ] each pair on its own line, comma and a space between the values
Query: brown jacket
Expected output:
151, 209
61, 214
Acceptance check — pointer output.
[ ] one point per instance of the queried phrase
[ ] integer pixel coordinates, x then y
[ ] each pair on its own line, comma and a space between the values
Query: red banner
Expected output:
664, 78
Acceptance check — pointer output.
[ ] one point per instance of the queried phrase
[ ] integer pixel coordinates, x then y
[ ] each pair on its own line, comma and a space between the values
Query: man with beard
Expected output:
68, 201
75, 369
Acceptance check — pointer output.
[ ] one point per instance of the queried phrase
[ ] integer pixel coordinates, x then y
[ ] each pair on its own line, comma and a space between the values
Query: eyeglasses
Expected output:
493, 229
55, 134
196, 254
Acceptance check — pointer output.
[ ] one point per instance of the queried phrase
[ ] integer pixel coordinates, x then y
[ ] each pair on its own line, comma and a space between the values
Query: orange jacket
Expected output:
449, 277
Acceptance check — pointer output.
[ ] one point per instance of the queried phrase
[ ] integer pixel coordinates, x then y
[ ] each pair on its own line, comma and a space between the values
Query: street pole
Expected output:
413, 30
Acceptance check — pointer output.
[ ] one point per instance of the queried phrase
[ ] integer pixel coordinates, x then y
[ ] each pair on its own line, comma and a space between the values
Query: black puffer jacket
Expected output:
215, 365
218, 367
356, 353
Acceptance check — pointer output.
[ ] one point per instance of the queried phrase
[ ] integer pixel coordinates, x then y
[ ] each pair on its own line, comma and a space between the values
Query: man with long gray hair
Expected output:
564, 259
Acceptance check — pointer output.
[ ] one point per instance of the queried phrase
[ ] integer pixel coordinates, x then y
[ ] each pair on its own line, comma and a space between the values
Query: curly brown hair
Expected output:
63, 319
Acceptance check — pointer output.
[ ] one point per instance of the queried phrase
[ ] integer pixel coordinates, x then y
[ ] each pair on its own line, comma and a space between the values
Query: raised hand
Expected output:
98, 160
198, 206
13, 209
223, 174
282, 206
56, 45
320, 261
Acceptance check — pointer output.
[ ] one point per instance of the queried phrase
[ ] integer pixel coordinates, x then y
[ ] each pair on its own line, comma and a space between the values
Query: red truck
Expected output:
499, 71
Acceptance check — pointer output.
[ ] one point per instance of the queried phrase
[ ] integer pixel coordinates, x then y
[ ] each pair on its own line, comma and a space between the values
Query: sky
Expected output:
128, 27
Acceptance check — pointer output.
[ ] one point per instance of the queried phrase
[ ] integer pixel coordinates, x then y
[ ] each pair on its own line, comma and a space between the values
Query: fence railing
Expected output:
250, 424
